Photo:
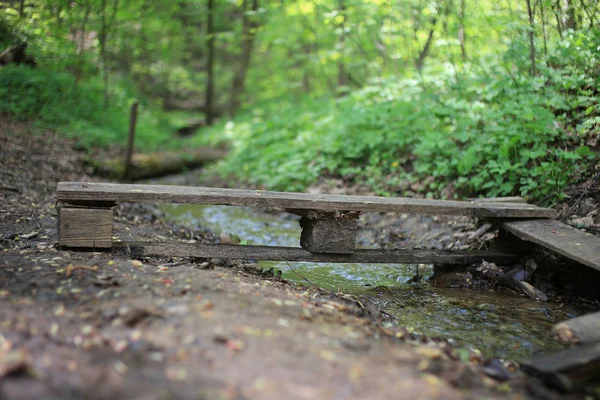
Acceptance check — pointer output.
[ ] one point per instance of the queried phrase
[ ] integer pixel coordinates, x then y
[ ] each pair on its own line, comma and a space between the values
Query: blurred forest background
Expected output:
436, 98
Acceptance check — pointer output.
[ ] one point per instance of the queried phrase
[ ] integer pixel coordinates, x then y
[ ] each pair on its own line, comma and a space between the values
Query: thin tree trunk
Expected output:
591, 17
342, 77
305, 71
210, 79
102, 41
81, 44
420, 61
21, 8
105, 27
250, 25
461, 30
569, 15
559, 27
531, 37
544, 32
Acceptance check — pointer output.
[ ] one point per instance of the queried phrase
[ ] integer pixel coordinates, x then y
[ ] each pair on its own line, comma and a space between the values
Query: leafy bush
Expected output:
488, 131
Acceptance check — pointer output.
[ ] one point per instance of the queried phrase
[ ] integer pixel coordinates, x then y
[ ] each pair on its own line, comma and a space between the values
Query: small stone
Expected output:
582, 222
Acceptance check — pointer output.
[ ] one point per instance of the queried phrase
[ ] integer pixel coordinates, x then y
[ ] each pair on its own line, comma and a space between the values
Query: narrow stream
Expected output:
497, 324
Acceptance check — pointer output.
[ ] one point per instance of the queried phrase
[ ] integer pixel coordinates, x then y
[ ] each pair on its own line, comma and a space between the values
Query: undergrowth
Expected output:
52, 100
489, 130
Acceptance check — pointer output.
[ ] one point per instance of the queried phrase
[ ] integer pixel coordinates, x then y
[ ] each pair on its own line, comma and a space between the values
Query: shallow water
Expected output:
495, 323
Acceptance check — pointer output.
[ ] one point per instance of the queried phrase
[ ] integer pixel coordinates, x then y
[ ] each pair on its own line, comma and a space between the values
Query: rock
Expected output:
204, 265
464, 376
582, 222
452, 279
489, 270
495, 370
132, 316
530, 266
518, 273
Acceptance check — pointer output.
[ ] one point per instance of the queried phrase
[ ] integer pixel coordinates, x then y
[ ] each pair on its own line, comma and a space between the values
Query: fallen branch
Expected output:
157, 164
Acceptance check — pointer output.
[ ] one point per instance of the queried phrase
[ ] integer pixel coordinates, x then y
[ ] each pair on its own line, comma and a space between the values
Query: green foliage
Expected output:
52, 100
440, 98
485, 132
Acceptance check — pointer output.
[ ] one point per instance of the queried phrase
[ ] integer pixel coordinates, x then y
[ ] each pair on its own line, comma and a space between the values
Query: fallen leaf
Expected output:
235, 345
328, 355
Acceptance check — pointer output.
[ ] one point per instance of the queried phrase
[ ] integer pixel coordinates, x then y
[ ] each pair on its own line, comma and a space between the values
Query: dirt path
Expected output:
105, 326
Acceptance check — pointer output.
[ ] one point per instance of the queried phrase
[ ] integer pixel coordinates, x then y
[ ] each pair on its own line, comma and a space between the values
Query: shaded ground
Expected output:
105, 326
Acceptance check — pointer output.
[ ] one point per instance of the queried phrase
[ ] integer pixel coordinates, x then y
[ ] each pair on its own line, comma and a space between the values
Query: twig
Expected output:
297, 273
583, 193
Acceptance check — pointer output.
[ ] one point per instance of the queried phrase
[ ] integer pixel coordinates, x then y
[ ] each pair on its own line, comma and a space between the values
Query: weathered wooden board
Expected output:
328, 235
85, 227
580, 363
581, 330
570, 242
239, 252
77, 191
509, 199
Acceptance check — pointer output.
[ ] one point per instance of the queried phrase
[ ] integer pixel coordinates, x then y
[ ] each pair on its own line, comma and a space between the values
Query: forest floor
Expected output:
104, 326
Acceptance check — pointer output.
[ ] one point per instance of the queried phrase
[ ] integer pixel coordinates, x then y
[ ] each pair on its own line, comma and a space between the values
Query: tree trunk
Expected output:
461, 30
250, 25
569, 15
342, 78
531, 38
80, 44
305, 72
102, 41
425, 52
105, 27
559, 27
210, 79
544, 31
591, 16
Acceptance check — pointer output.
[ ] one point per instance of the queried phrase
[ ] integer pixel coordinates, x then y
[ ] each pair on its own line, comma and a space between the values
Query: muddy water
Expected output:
494, 323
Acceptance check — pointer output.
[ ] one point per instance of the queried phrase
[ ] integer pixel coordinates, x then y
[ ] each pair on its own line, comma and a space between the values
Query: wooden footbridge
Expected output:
329, 224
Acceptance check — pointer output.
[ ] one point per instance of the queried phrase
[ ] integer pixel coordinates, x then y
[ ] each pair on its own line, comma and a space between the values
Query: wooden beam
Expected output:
577, 245
509, 199
246, 252
77, 191
85, 227
581, 330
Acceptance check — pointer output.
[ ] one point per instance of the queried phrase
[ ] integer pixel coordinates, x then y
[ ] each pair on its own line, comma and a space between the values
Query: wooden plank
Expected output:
85, 227
246, 252
577, 245
328, 235
508, 199
581, 330
77, 191
580, 363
